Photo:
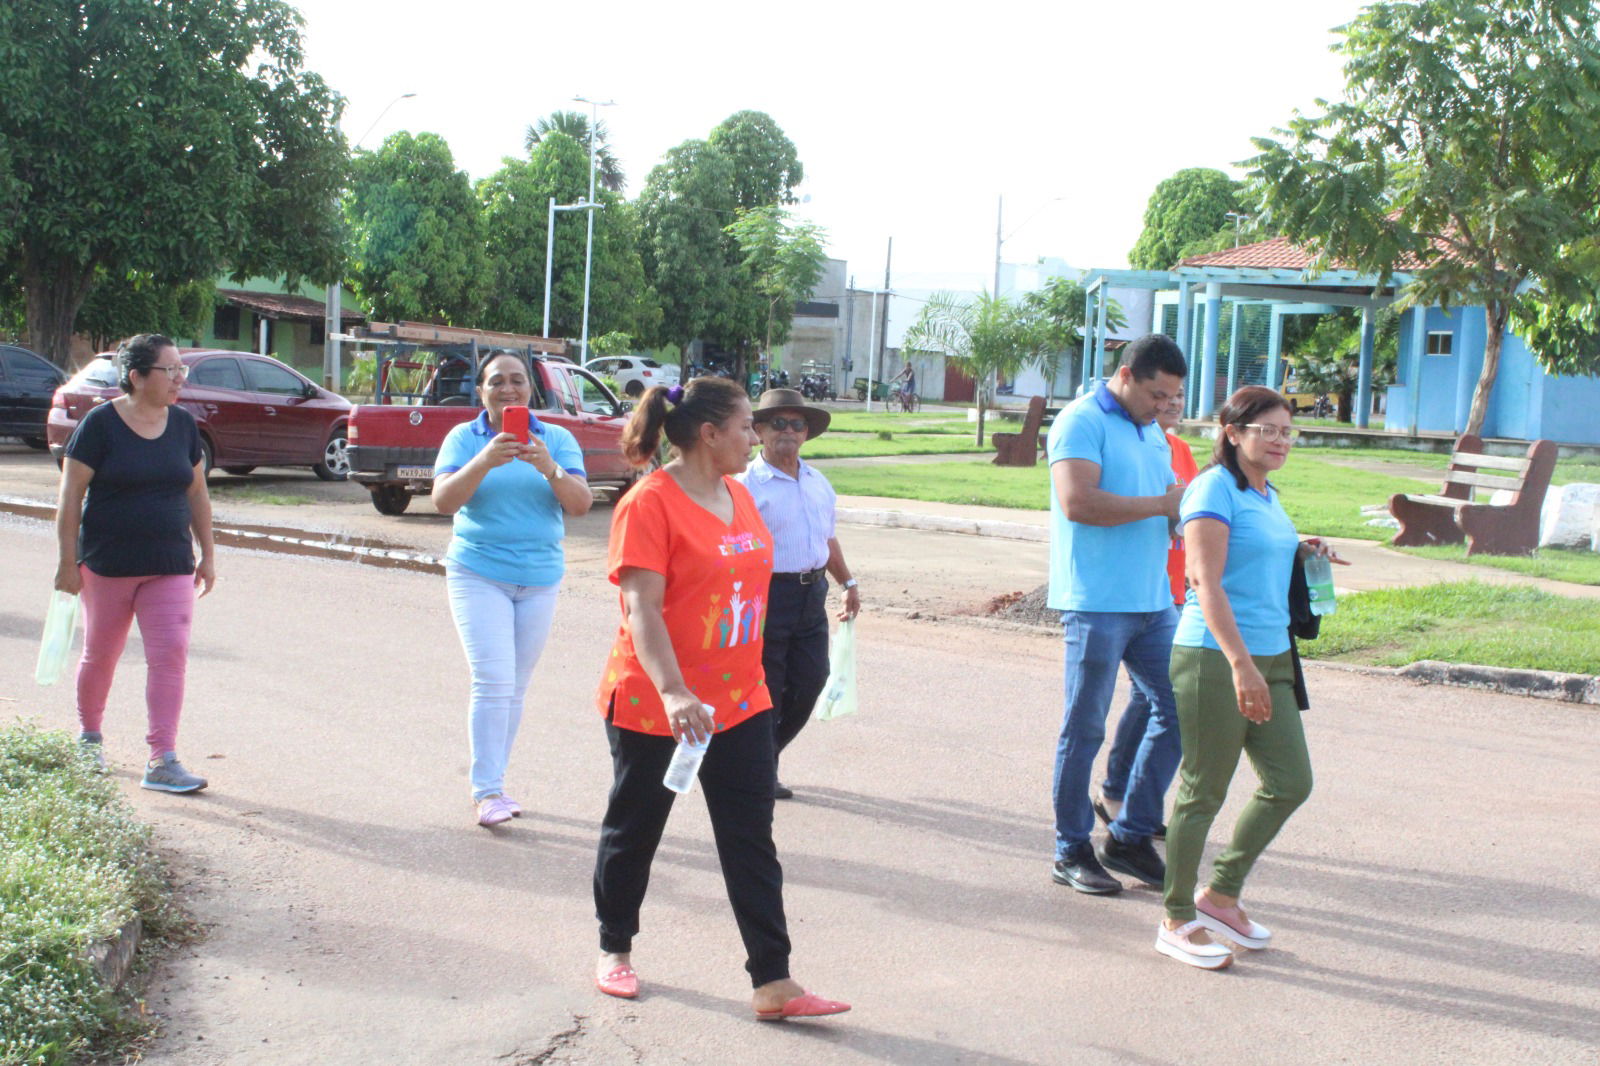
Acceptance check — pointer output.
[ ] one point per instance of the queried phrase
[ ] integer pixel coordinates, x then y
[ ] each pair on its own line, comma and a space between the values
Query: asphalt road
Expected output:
1435, 901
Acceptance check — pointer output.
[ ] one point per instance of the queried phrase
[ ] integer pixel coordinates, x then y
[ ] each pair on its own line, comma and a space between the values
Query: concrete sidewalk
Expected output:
1373, 565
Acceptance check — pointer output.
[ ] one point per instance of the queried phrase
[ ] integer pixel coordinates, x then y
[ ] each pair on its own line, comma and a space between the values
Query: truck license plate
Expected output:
413, 471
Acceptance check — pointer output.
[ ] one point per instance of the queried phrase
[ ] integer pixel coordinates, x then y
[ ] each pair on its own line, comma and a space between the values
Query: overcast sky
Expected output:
909, 123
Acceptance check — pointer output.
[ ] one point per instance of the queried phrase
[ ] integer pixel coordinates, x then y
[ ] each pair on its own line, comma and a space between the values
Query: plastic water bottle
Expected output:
685, 762
1319, 579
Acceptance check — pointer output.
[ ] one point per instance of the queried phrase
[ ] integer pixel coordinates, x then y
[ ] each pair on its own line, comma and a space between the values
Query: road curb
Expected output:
1539, 684
1535, 684
975, 527
112, 958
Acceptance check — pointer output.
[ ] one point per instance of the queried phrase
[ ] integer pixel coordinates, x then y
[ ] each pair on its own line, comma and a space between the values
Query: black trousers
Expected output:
794, 654
736, 777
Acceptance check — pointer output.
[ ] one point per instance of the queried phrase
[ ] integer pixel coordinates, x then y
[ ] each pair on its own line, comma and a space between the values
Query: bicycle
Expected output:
907, 402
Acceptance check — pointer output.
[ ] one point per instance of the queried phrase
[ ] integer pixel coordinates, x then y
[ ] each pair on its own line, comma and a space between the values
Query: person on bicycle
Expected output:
907, 381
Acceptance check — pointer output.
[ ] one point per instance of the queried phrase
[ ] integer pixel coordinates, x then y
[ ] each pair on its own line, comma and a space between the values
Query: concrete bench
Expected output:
1454, 514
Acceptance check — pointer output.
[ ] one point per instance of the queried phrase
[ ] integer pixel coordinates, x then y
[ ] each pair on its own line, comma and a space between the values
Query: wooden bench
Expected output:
1493, 529
1021, 448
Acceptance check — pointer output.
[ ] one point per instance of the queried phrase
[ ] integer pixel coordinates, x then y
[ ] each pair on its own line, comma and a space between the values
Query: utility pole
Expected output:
850, 325
999, 214
883, 337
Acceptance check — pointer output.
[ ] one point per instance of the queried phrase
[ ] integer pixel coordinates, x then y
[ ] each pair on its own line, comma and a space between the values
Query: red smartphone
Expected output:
514, 420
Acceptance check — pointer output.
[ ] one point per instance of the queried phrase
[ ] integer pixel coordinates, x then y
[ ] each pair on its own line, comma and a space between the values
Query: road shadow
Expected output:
840, 1031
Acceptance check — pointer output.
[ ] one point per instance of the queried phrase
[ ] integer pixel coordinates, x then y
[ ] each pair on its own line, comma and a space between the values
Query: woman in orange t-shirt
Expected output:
693, 561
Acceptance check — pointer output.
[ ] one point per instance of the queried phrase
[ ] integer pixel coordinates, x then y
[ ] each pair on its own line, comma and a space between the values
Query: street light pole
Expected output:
588, 251
550, 252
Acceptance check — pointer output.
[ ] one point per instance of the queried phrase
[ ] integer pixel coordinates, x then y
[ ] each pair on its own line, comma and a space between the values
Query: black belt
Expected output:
805, 577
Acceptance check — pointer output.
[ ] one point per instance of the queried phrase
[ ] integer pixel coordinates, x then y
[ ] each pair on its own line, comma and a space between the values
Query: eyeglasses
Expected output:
176, 370
781, 424
1287, 434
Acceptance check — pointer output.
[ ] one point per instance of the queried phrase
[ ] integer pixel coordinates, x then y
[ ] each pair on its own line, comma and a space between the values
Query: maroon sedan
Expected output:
252, 411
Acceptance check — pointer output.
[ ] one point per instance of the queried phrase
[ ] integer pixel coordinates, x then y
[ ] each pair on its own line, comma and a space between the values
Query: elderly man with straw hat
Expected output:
797, 504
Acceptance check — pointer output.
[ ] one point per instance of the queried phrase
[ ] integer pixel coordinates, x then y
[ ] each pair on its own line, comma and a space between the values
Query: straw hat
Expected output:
774, 401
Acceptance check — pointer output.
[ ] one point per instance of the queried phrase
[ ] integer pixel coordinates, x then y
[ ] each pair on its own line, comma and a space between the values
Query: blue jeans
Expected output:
1098, 643
503, 629
1125, 744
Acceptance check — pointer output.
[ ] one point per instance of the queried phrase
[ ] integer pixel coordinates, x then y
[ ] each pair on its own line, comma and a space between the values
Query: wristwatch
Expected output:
559, 474
847, 585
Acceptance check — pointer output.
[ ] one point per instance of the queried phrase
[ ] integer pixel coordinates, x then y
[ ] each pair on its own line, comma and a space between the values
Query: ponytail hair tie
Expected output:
675, 395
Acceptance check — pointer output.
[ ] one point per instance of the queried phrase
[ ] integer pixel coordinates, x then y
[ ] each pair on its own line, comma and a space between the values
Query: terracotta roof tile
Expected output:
282, 305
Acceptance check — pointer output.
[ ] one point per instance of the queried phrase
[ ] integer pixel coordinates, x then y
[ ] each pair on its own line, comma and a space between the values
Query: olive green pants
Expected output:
1214, 734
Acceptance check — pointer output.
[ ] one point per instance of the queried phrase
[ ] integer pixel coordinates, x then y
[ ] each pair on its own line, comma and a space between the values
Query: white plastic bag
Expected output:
55, 646
839, 694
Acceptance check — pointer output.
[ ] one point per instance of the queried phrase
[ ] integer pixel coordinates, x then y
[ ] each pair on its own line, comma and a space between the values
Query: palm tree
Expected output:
575, 124
988, 336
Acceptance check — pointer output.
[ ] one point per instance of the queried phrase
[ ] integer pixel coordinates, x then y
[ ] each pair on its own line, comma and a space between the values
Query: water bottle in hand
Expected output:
1319, 579
685, 762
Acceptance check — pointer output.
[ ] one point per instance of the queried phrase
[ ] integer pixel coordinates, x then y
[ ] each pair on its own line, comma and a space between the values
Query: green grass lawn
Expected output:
1557, 564
1463, 622
854, 445
883, 421
1322, 498
982, 484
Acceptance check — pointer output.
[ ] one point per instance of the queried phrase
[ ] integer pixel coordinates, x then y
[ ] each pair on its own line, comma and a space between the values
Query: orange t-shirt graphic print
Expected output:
715, 603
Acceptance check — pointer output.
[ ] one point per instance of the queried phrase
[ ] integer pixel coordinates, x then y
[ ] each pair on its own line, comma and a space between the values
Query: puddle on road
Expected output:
281, 540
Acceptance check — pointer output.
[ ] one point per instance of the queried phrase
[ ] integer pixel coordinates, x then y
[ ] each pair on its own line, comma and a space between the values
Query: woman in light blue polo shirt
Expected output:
1233, 676
505, 561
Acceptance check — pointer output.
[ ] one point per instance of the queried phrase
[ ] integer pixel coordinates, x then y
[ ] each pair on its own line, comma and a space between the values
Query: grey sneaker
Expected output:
89, 744
168, 775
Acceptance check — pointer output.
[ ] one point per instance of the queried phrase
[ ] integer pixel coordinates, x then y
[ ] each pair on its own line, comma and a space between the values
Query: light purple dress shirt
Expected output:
799, 513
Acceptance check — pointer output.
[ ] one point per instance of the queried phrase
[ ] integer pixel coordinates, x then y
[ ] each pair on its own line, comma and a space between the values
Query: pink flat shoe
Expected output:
804, 1006
1230, 922
621, 982
492, 810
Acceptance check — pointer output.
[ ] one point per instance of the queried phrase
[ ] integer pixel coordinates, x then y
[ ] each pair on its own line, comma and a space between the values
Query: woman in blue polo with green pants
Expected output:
1233, 676
509, 498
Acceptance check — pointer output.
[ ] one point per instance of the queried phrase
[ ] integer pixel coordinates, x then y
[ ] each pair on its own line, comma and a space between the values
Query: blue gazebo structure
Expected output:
1440, 352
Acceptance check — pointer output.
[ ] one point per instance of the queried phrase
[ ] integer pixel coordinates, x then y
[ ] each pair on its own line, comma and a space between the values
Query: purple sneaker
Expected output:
511, 805
492, 810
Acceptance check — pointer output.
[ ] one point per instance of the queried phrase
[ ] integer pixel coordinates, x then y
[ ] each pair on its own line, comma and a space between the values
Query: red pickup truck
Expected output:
394, 442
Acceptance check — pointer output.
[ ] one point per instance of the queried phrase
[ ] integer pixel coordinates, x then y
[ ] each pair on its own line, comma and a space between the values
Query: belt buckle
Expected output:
809, 577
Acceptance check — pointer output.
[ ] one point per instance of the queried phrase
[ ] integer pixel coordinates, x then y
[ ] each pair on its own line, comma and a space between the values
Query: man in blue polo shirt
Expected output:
1112, 503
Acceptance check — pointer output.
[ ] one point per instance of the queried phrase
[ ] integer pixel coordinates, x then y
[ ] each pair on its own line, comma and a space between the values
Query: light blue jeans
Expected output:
503, 629
1098, 643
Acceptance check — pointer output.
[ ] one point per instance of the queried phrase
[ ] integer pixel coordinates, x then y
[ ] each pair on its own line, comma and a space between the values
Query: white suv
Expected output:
633, 373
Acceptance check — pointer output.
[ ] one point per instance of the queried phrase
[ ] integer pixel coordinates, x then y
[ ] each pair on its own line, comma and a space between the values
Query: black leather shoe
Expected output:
781, 791
1105, 819
1082, 871
1136, 860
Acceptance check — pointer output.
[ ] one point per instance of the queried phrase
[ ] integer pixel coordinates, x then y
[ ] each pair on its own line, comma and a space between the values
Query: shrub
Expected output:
75, 867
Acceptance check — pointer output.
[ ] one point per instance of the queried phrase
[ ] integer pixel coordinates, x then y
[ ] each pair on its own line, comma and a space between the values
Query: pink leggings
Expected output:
164, 605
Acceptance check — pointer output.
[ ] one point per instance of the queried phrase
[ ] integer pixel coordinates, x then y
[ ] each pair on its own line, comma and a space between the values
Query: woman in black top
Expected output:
129, 546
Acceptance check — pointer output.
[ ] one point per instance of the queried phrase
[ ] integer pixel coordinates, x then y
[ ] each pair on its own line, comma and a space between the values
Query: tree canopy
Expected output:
418, 249
783, 260
691, 258
1185, 213
1059, 308
575, 124
164, 140
1466, 154
516, 203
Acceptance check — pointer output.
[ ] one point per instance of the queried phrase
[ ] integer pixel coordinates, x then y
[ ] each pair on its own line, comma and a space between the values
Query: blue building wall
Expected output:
1527, 403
